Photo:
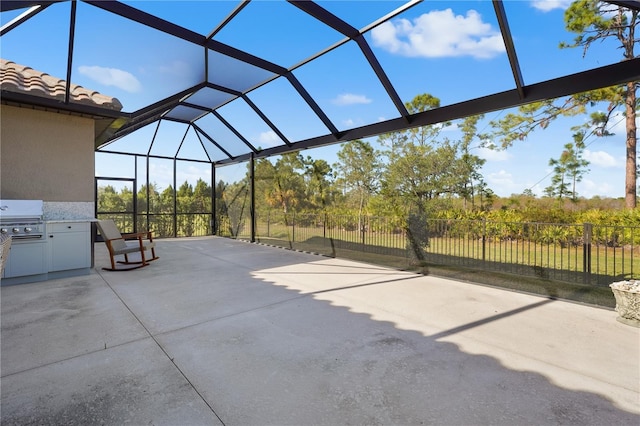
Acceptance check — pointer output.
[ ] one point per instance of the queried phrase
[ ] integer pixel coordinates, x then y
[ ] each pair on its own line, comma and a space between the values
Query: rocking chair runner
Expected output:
118, 245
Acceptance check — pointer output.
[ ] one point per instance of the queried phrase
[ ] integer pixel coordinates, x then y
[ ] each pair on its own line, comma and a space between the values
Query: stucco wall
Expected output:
45, 155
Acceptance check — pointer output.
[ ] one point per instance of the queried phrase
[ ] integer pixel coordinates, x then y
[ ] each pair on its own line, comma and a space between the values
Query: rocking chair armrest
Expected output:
108, 240
140, 246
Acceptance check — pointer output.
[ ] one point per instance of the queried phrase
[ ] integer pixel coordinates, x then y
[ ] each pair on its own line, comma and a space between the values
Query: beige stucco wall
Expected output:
45, 155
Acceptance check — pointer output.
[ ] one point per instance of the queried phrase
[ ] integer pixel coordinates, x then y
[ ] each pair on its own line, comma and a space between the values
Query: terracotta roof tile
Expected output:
23, 79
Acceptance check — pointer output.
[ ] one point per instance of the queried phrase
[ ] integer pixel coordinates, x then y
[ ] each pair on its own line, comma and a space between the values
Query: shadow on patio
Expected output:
226, 332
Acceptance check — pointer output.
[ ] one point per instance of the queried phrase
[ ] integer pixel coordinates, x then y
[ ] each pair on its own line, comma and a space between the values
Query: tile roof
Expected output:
22, 79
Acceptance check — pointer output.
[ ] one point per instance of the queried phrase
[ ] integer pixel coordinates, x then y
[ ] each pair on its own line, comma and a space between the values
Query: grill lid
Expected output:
21, 210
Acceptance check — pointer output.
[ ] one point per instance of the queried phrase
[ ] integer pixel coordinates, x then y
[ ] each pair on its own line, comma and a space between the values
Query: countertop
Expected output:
70, 220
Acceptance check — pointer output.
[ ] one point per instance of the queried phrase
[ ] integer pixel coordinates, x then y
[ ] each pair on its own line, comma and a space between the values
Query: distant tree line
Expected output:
191, 205
417, 174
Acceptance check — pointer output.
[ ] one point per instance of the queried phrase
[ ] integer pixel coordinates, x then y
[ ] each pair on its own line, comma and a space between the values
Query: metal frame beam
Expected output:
71, 40
266, 120
6, 6
509, 46
126, 123
234, 131
611, 75
23, 17
629, 4
217, 145
167, 27
312, 103
228, 19
352, 33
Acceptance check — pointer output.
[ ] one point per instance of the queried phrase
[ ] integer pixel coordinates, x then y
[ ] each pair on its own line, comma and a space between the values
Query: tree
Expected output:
418, 176
318, 176
151, 205
359, 170
405, 179
423, 170
109, 200
235, 203
184, 198
592, 21
202, 197
576, 167
470, 164
222, 212
281, 183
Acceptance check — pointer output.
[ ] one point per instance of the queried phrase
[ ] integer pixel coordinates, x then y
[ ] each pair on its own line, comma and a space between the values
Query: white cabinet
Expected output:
29, 258
69, 245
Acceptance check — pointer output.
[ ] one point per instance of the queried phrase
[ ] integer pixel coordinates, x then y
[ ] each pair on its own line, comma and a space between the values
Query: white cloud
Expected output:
161, 175
112, 77
501, 178
588, 188
548, 5
618, 123
348, 122
446, 127
192, 174
502, 183
438, 34
493, 154
269, 139
601, 159
350, 99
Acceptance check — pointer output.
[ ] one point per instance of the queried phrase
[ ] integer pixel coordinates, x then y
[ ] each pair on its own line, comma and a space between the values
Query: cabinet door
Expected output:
26, 259
69, 250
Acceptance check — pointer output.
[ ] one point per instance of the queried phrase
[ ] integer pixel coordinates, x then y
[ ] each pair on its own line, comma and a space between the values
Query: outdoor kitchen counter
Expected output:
70, 220
49, 240
70, 246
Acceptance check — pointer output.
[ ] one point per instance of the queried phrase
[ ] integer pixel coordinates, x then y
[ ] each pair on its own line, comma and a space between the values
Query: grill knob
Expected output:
27, 229
4, 231
15, 230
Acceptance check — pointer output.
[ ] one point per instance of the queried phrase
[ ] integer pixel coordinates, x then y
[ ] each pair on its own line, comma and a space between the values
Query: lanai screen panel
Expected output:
255, 78
451, 50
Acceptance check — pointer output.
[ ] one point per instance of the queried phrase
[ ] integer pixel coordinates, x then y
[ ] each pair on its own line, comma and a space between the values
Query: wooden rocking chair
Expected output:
118, 245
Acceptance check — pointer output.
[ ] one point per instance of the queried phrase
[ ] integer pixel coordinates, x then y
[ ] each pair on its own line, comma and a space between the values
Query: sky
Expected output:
450, 49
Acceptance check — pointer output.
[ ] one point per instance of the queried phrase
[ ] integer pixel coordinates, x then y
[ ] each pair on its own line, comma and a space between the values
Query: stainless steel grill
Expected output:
23, 220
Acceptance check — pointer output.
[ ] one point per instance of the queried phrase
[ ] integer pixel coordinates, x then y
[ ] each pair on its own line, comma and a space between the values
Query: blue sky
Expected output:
450, 49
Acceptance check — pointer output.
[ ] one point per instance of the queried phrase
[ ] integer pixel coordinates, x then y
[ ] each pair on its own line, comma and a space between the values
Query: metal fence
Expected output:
578, 253
164, 225
582, 253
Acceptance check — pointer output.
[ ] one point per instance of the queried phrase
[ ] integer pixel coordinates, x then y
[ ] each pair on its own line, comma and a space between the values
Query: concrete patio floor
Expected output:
226, 332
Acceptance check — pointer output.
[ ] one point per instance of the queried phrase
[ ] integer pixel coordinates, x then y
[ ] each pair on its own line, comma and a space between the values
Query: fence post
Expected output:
324, 226
252, 206
587, 233
484, 241
362, 227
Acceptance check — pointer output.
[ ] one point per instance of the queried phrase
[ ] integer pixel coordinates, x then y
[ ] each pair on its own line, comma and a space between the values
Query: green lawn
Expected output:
614, 262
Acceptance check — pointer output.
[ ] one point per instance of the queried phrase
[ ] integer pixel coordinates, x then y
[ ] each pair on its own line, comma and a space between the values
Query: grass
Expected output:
547, 260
